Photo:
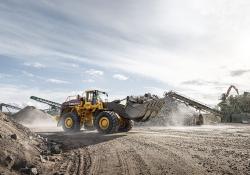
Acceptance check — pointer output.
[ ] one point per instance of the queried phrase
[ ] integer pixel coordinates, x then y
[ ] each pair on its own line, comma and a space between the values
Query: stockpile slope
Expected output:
30, 115
20, 148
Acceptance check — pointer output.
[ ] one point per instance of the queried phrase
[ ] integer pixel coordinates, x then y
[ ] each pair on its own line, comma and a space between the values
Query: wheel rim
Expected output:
68, 122
104, 123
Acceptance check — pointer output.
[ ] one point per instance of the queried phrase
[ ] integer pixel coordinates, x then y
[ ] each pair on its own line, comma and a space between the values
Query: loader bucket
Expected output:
146, 110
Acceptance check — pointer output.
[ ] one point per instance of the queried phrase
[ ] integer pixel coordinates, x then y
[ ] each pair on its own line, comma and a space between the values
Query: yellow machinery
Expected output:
92, 112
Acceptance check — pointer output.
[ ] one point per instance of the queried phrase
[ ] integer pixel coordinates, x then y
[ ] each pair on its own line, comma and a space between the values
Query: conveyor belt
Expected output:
193, 103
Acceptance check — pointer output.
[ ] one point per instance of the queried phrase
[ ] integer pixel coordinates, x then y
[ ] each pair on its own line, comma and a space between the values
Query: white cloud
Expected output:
3, 75
35, 65
169, 41
88, 81
120, 77
94, 72
69, 65
155, 90
11, 94
74, 65
57, 81
28, 74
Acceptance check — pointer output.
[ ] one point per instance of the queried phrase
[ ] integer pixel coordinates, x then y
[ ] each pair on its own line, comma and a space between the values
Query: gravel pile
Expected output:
22, 151
20, 148
30, 115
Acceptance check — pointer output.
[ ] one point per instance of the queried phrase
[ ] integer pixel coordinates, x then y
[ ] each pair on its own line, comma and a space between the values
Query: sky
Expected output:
56, 48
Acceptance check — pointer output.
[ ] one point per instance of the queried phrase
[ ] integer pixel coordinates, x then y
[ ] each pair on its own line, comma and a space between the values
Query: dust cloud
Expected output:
172, 114
182, 116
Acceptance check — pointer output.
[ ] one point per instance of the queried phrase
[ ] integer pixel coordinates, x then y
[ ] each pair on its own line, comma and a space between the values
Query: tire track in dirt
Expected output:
124, 163
209, 154
68, 163
63, 165
122, 159
162, 160
132, 161
75, 162
105, 160
85, 161
219, 156
212, 155
157, 151
95, 167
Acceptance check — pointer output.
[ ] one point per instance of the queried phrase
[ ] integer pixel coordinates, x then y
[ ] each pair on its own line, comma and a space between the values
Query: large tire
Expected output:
127, 126
107, 122
71, 122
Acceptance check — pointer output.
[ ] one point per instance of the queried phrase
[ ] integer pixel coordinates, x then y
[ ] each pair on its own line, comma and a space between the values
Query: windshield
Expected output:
102, 97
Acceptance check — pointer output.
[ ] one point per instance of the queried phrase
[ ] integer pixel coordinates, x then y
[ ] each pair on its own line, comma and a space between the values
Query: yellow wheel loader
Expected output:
92, 112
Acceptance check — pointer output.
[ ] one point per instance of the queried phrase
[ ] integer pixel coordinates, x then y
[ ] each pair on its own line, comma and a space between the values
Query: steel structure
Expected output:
8, 106
193, 103
53, 105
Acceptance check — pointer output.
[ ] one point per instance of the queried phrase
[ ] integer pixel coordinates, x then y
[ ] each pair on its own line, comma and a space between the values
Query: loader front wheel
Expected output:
107, 122
70, 122
126, 125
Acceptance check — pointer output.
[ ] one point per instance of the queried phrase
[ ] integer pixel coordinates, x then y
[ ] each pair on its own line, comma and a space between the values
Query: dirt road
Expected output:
178, 150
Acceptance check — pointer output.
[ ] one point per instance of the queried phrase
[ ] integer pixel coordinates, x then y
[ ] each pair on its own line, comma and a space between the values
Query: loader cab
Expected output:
95, 96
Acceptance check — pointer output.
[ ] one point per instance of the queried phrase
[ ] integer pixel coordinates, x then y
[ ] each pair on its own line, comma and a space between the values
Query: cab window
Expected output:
89, 97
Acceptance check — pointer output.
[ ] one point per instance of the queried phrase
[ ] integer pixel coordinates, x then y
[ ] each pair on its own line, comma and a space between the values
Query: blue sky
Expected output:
56, 48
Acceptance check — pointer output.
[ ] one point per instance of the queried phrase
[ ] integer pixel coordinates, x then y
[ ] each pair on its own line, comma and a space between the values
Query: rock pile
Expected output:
22, 150
30, 115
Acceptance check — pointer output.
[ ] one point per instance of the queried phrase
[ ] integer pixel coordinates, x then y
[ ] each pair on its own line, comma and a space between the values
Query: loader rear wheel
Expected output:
107, 122
70, 122
126, 126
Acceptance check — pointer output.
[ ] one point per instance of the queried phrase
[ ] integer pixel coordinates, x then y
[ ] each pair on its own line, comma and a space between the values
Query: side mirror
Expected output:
105, 94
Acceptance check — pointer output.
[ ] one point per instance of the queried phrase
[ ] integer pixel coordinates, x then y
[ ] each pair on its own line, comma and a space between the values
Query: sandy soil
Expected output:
178, 150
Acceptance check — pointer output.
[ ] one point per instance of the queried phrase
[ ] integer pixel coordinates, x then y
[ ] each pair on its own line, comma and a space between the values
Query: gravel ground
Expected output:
221, 149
